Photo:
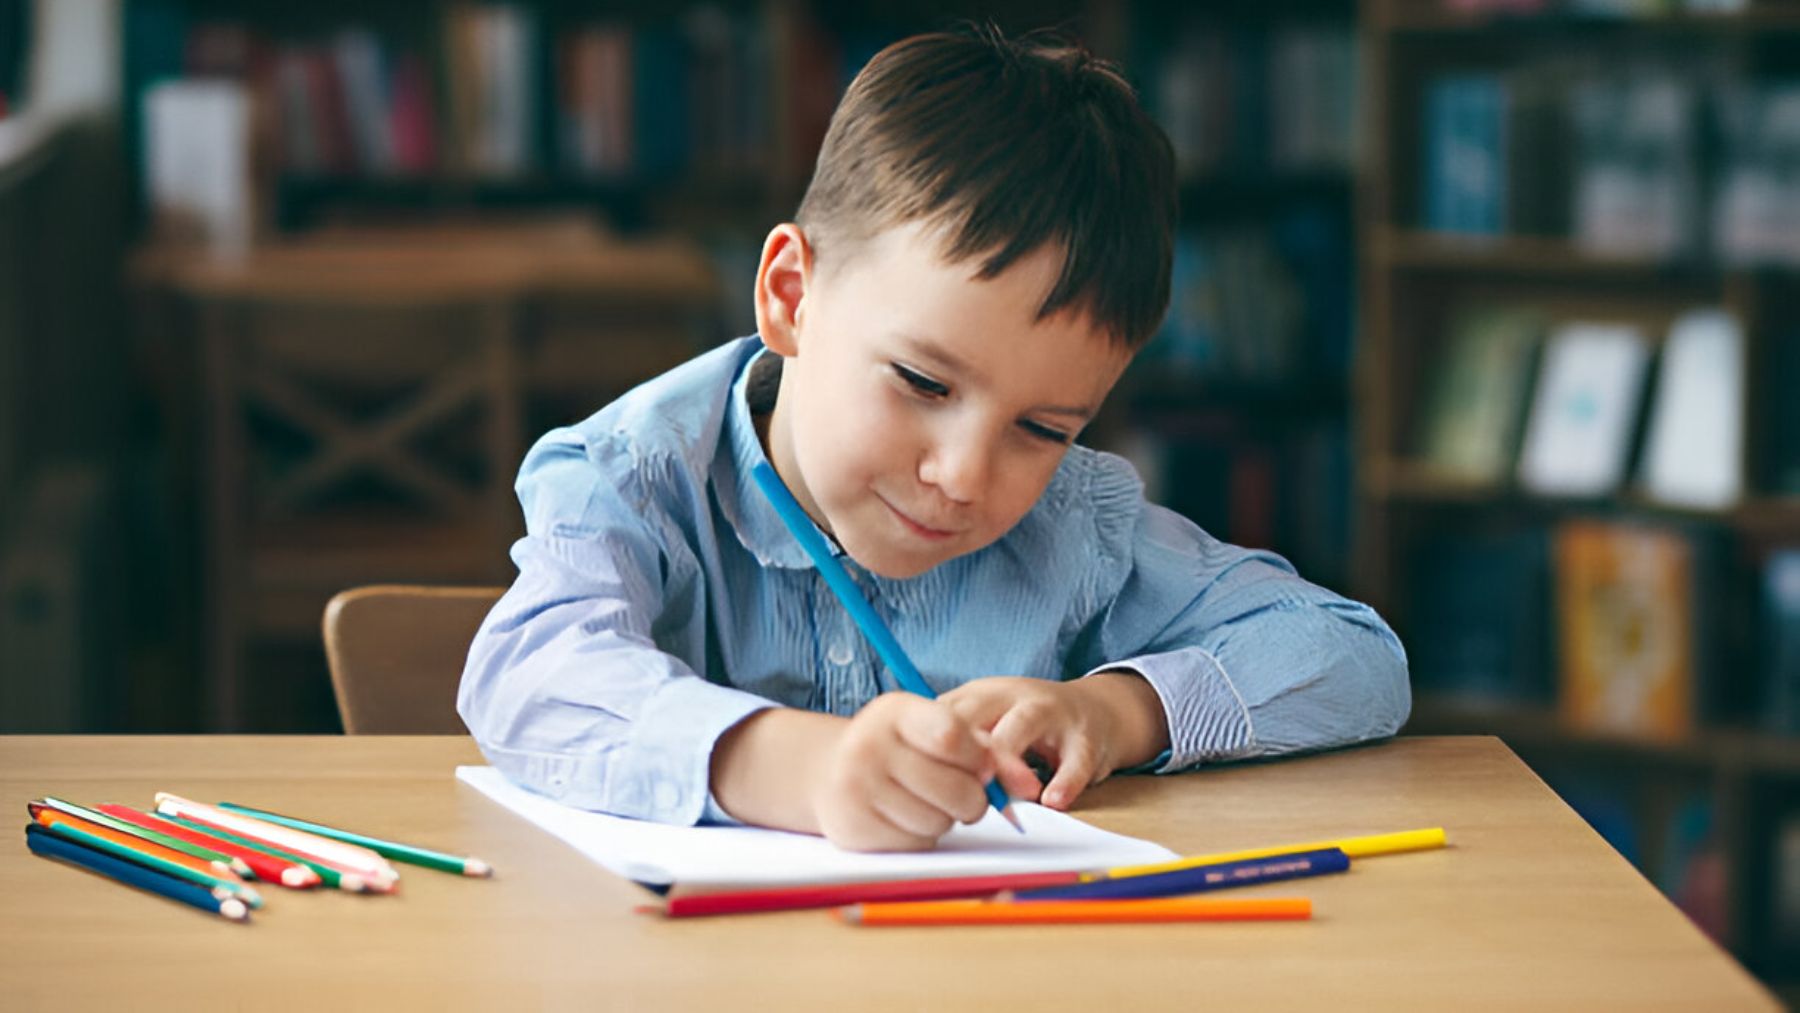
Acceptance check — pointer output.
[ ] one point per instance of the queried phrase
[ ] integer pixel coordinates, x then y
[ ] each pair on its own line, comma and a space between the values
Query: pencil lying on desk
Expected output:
386, 849
218, 886
1196, 879
788, 898
223, 862
1354, 847
1162, 909
46, 844
330, 875
349, 857
266, 866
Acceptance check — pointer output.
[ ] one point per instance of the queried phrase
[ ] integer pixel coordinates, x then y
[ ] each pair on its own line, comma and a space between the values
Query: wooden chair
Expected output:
396, 652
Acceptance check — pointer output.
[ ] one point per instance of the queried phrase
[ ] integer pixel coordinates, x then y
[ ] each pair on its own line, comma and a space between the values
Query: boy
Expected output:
983, 246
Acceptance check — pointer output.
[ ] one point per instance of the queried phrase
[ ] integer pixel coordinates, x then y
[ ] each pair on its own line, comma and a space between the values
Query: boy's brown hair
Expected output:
1009, 144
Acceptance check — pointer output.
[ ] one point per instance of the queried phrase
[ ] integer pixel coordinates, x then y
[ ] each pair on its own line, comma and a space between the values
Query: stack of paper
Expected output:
660, 855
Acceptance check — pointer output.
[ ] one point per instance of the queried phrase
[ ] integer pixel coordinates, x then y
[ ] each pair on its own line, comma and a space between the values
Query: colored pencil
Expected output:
333, 877
1355, 847
1197, 879
1162, 909
99, 816
787, 898
349, 857
877, 632
217, 886
263, 864
46, 844
51, 818
386, 849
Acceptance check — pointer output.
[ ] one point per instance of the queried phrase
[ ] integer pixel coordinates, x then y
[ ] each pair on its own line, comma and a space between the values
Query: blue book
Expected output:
1781, 616
1465, 154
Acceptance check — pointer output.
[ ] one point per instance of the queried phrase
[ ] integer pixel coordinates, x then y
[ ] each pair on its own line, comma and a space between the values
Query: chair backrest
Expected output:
396, 653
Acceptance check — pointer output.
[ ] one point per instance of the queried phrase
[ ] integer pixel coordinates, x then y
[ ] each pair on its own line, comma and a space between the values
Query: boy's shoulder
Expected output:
677, 416
1095, 497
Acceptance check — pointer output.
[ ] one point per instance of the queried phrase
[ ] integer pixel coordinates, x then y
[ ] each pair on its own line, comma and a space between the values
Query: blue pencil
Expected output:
46, 844
854, 603
1199, 878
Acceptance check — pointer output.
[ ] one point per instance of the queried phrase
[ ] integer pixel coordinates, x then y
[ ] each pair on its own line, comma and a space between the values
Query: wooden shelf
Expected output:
1415, 484
1538, 728
1441, 19
1531, 256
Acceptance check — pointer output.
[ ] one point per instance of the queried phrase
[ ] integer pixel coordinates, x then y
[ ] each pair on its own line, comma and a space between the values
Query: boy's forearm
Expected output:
762, 768
1140, 726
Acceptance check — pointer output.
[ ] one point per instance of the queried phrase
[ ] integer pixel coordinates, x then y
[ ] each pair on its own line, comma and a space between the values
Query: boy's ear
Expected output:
781, 283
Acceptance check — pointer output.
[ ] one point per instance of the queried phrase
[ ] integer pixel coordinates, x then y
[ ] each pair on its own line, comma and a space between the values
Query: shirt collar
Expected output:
752, 518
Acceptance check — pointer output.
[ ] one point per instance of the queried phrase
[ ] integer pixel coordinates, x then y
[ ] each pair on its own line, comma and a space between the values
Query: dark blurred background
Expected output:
1483, 312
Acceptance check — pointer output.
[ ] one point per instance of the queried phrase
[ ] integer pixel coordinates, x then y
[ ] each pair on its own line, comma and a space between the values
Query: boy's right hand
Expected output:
904, 770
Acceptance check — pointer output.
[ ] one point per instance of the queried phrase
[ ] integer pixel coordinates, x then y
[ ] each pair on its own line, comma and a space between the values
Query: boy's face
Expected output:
922, 411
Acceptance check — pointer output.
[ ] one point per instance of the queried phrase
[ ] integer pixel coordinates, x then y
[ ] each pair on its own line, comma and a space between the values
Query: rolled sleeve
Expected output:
1248, 659
565, 690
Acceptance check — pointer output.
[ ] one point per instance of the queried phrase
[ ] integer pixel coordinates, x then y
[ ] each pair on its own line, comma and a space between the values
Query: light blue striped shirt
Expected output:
660, 601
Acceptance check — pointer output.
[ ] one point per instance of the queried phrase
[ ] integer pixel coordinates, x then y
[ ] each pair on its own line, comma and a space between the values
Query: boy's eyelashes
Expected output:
927, 387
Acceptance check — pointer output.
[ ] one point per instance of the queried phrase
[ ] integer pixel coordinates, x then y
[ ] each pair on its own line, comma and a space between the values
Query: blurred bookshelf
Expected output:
1578, 467
697, 124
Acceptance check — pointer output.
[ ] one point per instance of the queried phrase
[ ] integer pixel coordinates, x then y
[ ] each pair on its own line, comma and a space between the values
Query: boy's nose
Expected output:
957, 469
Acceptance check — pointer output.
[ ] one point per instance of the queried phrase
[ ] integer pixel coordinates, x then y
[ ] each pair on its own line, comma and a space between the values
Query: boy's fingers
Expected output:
1073, 774
948, 790
941, 733
1019, 780
897, 803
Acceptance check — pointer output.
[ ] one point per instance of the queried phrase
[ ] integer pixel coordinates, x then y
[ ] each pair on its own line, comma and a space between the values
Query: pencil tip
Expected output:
477, 867
1013, 818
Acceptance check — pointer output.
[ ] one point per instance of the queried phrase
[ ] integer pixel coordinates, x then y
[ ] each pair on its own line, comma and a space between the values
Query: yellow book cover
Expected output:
1626, 629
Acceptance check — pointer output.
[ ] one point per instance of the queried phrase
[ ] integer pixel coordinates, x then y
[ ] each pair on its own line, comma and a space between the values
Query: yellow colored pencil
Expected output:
1074, 912
1355, 847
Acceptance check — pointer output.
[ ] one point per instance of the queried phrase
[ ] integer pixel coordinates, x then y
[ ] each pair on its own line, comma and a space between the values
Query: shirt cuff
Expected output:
1207, 719
665, 774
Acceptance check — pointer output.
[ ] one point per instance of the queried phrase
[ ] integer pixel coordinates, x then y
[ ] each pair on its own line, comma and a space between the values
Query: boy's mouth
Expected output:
921, 530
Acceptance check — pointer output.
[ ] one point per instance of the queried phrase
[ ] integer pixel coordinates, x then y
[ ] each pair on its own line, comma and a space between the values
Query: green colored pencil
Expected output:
387, 849
331, 877
158, 863
112, 822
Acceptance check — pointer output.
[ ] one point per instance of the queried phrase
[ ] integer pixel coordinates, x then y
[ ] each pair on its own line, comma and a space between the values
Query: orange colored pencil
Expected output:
1159, 909
219, 870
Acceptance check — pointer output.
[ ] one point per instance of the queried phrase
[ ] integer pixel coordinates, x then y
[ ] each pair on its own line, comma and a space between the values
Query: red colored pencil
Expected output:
787, 898
266, 866
371, 884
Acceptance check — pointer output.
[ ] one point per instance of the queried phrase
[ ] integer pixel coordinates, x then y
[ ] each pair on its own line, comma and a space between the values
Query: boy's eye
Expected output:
1044, 432
919, 381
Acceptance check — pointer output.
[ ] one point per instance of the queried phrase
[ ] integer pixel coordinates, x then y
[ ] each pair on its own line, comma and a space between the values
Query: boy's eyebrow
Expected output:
943, 359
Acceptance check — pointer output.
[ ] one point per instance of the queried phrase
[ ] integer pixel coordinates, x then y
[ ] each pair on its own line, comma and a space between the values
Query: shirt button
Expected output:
840, 654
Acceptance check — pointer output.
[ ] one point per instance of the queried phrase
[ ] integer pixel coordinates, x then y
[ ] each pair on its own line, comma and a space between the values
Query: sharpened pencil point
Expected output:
1013, 818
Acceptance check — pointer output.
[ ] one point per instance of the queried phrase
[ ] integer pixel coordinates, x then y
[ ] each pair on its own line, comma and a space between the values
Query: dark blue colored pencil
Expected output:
1199, 878
47, 845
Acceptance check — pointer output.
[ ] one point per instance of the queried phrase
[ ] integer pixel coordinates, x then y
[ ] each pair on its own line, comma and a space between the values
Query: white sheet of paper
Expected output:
659, 854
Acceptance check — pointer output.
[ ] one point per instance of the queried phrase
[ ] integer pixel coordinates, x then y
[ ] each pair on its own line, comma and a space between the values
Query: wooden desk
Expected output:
1527, 909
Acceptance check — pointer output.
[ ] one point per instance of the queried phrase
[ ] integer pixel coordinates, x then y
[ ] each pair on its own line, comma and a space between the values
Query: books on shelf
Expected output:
1694, 451
1756, 212
1479, 616
1469, 426
1625, 605
1584, 413
1636, 188
1781, 642
1238, 102
197, 164
1466, 154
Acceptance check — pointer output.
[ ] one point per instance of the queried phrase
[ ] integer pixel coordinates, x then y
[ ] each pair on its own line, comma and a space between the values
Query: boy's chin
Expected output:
899, 565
